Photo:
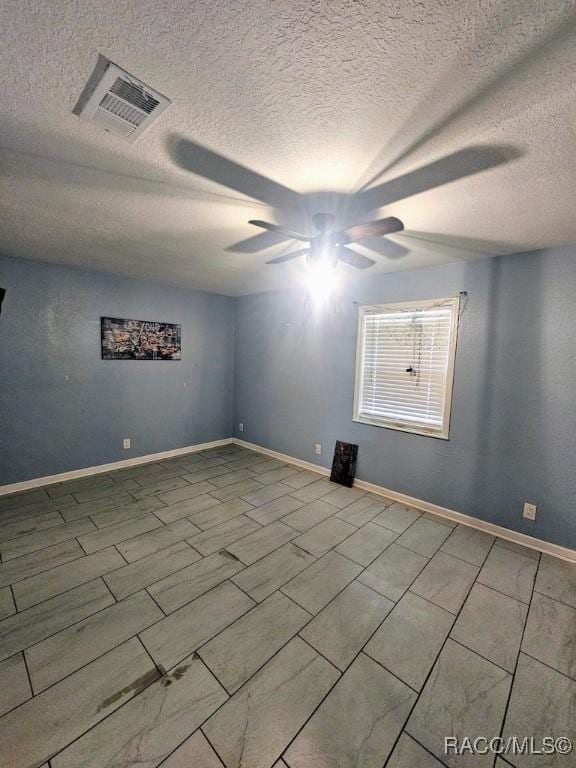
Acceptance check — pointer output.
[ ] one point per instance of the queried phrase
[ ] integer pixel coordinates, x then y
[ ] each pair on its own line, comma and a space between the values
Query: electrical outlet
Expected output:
529, 511
318, 449
241, 427
126, 443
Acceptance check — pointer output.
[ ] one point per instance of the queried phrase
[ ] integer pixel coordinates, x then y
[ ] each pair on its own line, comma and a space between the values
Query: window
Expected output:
405, 366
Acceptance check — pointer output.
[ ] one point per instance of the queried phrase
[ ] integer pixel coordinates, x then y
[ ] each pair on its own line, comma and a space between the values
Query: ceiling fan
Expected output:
328, 247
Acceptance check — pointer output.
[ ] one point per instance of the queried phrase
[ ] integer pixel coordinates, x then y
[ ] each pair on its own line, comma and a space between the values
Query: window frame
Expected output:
397, 424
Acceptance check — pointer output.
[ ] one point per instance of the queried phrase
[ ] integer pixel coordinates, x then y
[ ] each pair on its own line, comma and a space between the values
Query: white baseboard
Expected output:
426, 506
74, 474
282, 456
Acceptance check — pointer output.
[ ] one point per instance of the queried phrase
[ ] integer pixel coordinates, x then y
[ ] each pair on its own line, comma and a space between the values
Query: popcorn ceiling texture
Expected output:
319, 96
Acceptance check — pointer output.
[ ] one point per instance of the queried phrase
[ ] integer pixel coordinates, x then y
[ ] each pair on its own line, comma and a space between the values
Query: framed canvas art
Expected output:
344, 463
139, 340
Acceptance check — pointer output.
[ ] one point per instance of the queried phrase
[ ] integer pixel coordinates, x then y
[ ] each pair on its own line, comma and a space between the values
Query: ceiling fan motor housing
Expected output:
323, 221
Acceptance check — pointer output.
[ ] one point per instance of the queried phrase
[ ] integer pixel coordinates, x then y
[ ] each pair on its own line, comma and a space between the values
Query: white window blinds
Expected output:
405, 364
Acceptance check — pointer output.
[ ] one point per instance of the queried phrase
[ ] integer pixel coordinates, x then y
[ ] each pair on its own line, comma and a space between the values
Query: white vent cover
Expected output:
123, 105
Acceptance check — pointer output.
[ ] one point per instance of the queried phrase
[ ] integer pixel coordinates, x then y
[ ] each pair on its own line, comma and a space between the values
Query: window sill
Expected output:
402, 428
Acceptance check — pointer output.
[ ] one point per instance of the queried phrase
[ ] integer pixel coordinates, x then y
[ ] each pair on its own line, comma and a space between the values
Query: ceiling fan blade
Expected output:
348, 256
372, 229
204, 162
289, 256
288, 233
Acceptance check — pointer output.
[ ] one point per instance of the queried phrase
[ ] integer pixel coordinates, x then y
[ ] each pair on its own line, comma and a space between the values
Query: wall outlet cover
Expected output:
318, 449
529, 511
241, 427
126, 443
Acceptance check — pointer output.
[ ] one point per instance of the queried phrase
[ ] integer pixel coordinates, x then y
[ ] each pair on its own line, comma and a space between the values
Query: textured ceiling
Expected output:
324, 98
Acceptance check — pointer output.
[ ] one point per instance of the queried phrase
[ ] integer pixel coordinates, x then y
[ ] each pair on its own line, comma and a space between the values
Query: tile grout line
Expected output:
509, 698
69, 626
85, 554
312, 617
155, 603
7, 712
342, 673
190, 539
110, 714
96, 658
114, 546
75, 586
69, 589
54, 500
357, 528
248, 565
317, 557
554, 599
544, 664
499, 591
210, 743
432, 668
108, 588
241, 590
409, 735
14, 603
467, 647
256, 605
161, 671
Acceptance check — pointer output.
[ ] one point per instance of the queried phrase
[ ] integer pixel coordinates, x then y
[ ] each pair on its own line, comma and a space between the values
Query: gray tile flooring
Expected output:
225, 609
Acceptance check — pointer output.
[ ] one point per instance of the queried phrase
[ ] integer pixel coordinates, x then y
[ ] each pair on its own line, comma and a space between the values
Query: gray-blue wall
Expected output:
513, 428
62, 407
290, 379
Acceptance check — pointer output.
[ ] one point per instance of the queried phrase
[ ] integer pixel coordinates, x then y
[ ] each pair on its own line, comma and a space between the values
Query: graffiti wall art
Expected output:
140, 340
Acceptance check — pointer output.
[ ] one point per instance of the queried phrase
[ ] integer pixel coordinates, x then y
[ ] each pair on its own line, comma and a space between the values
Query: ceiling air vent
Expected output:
119, 102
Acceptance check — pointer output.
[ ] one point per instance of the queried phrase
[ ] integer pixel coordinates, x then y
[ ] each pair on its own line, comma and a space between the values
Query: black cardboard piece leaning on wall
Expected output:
2, 294
344, 463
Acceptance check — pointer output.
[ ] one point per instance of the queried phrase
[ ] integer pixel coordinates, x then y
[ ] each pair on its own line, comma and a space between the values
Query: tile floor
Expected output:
224, 608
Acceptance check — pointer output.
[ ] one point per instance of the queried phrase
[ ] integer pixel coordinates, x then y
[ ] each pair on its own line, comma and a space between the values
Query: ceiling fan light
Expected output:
321, 280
